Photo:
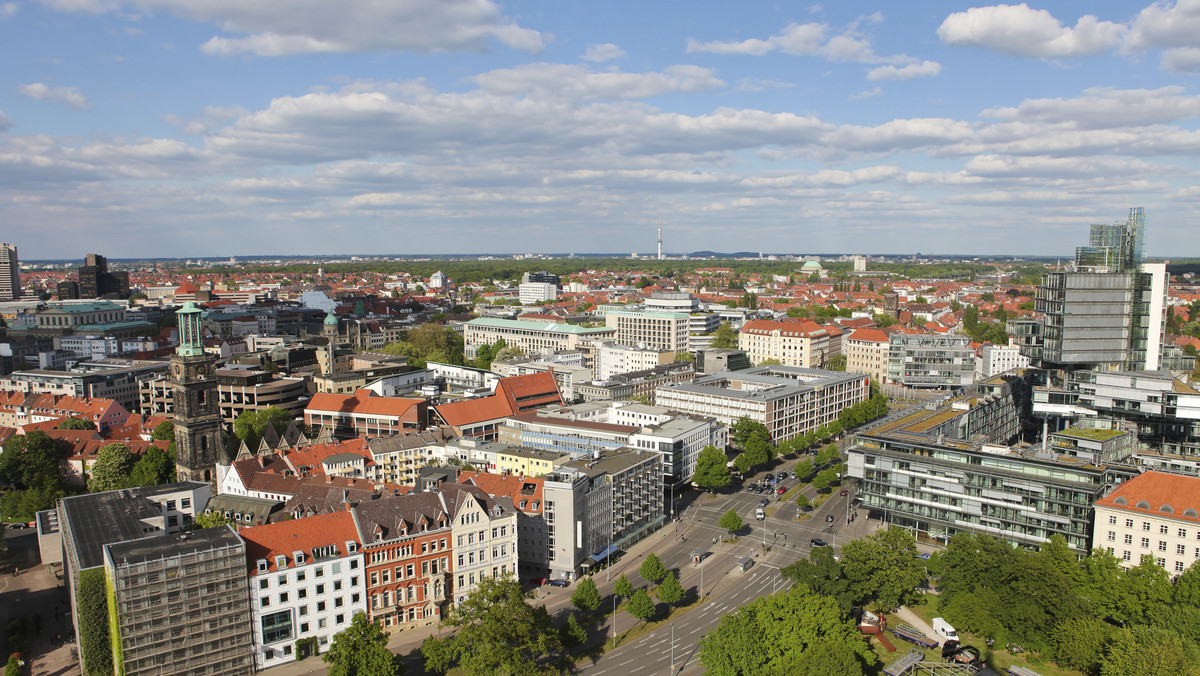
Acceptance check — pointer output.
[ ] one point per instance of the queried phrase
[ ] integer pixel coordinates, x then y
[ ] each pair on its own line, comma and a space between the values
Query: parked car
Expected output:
764, 502
781, 490
792, 474
818, 542
559, 583
783, 475
538, 581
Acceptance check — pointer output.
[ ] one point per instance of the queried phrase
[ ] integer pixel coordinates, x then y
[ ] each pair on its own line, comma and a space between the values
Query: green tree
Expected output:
164, 431
684, 356
31, 461
743, 429
641, 605
1150, 651
652, 568
623, 588
1099, 583
822, 574
91, 600
725, 337
1186, 590
670, 591
883, 569
1081, 642
496, 630
209, 520
1145, 591
828, 658
13, 668
111, 469
251, 425
712, 469
361, 650
75, 424
802, 502
731, 521
776, 634
804, 470
154, 468
573, 633
836, 363
586, 597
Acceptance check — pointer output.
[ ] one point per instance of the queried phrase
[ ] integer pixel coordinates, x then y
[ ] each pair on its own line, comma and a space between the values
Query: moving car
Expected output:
781, 490
818, 542
764, 502
844, 492
559, 583
829, 518
760, 514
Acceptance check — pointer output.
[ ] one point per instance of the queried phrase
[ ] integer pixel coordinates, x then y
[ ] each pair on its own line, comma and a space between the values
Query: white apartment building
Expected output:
658, 330
787, 399
307, 580
485, 539
793, 343
536, 292
679, 442
613, 359
992, 360
866, 352
532, 337
1154, 513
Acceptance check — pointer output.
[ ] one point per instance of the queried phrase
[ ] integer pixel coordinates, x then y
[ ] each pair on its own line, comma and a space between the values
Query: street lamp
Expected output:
614, 619
672, 647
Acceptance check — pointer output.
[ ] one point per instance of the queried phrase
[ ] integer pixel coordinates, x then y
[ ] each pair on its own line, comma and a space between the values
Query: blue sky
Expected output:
226, 127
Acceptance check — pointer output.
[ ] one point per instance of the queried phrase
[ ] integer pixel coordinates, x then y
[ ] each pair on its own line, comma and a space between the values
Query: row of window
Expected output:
1163, 529
1145, 543
264, 582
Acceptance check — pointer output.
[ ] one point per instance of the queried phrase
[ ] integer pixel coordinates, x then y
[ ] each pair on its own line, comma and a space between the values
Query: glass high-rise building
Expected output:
10, 272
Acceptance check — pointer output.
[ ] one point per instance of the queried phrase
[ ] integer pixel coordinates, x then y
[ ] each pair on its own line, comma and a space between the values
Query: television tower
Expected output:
660, 256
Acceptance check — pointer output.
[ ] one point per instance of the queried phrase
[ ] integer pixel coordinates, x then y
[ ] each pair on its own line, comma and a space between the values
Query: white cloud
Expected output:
753, 84
603, 52
1182, 60
578, 82
282, 27
912, 70
8, 9
1165, 24
44, 92
5, 123
870, 93
1104, 107
1023, 31
807, 39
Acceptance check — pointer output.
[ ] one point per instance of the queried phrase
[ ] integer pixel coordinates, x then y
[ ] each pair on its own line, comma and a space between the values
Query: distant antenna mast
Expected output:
660, 256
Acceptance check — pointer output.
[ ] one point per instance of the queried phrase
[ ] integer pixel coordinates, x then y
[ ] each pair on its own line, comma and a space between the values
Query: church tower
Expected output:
194, 391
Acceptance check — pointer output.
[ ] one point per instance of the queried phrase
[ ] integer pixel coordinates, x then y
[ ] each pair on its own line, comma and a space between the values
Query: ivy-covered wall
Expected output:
92, 604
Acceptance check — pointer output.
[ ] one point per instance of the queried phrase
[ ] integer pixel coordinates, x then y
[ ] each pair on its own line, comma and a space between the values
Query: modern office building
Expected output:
613, 359
789, 400
531, 293
595, 507
10, 272
930, 360
180, 604
1106, 311
960, 465
655, 330
992, 360
531, 336
95, 281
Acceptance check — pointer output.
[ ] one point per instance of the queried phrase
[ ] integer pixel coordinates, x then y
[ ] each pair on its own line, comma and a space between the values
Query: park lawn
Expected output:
997, 658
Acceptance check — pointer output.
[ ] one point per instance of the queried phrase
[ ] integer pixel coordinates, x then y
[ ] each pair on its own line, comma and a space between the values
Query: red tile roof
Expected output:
515, 394
869, 334
303, 535
1164, 495
799, 328
364, 402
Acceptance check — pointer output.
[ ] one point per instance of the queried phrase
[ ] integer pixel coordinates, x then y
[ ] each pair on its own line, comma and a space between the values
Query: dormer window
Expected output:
262, 565
379, 536
351, 547
298, 557
280, 561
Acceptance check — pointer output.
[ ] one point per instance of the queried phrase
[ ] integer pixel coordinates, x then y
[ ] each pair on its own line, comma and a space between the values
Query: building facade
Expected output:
788, 400
930, 360
194, 393
867, 352
531, 336
10, 272
655, 330
1153, 514
792, 343
180, 604
306, 582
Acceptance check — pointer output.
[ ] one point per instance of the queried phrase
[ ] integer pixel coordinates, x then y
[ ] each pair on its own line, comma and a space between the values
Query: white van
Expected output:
760, 514
942, 628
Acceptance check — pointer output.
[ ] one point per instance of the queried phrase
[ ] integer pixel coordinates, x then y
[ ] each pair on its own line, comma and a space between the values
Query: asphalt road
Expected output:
725, 587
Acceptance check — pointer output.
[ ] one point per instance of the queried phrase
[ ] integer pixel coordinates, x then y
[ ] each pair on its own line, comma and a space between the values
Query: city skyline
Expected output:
163, 128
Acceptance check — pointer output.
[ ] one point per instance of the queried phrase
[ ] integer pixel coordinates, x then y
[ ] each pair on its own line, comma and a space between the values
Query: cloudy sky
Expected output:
230, 127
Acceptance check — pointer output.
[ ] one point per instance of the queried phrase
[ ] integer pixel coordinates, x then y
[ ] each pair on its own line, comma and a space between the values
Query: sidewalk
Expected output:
909, 617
